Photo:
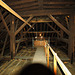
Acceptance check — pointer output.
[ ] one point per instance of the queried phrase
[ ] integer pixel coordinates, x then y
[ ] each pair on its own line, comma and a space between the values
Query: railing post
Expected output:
45, 49
47, 56
55, 65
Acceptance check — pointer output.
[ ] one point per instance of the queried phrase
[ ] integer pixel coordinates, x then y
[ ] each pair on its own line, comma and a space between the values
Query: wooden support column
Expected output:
71, 37
12, 38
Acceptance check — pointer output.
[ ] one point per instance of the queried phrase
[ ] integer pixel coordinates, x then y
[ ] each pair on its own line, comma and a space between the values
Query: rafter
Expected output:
22, 26
59, 24
4, 5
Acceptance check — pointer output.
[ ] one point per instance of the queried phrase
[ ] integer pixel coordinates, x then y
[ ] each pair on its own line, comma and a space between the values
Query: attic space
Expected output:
40, 33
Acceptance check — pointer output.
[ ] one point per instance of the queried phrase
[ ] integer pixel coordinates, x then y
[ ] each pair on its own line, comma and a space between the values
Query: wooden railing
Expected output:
56, 60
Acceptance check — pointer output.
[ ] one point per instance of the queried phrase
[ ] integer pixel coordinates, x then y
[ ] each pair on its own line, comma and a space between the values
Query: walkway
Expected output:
39, 56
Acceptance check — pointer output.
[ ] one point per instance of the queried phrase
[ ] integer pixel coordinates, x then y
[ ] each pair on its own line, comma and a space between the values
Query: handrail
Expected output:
57, 59
61, 64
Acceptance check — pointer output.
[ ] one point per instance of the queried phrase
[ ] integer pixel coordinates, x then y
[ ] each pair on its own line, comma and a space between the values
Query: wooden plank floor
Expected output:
39, 56
14, 66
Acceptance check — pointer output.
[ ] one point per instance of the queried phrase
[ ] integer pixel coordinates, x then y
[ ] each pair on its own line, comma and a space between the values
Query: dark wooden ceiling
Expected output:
41, 7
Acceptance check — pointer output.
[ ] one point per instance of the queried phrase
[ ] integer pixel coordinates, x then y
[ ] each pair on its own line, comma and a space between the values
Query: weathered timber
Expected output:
59, 24
22, 26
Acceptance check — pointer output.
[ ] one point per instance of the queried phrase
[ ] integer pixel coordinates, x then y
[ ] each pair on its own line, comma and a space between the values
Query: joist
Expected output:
59, 24
4, 5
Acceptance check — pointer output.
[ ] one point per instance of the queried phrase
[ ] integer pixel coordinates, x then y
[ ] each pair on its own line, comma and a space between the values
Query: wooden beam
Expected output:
60, 3
53, 29
71, 44
25, 5
4, 44
4, 23
46, 12
59, 24
12, 38
58, 7
4, 5
41, 32
22, 26
40, 21
19, 2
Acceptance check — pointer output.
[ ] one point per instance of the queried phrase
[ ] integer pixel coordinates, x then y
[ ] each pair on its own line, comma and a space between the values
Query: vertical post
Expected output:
48, 56
45, 49
32, 42
71, 37
12, 38
55, 66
